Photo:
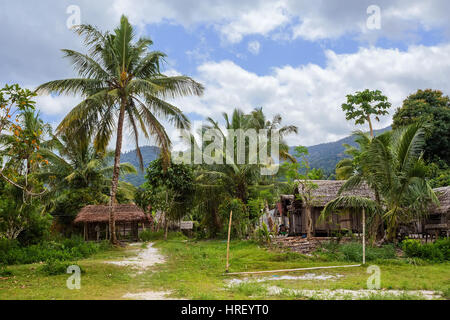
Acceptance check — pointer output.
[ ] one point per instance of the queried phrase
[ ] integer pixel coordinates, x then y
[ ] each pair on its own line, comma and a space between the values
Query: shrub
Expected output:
438, 251
4, 272
352, 252
11, 252
56, 267
263, 235
148, 235
240, 221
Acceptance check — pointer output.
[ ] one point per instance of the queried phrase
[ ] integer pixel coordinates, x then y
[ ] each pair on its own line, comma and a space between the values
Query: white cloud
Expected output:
311, 96
254, 47
56, 105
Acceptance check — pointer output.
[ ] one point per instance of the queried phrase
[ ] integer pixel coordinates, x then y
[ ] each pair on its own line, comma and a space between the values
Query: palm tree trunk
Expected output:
115, 177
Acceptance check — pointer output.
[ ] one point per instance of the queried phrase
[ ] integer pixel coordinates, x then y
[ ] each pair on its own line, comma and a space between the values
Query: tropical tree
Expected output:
355, 171
296, 180
224, 176
77, 171
363, 105
170, 190
344, 169
433, 108
396, 168
20, 134
122, 86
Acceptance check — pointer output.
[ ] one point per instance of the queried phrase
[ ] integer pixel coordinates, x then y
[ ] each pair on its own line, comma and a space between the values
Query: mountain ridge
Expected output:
323, 156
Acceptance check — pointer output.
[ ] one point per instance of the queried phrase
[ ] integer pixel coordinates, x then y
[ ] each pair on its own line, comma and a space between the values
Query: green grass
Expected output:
195, 270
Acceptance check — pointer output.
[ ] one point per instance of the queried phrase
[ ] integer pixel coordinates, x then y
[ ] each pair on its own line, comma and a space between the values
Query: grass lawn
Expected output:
195, 270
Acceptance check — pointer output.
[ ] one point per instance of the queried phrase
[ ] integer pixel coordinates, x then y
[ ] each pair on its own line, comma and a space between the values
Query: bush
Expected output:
4, 272
352, 252
12, 253
438, 251
240, 222
148, 235
56, 267
263, 235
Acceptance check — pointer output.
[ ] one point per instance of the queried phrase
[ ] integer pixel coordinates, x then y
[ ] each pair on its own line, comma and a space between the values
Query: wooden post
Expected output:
364, 235
228, 243
85, 231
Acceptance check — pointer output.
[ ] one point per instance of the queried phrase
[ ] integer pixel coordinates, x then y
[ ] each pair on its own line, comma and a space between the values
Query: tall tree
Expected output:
171, 191
395, 165
433, 108
20, 136
122, 85
363, 105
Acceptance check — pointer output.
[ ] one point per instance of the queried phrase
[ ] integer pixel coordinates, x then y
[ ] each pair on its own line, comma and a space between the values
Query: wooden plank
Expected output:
293, 270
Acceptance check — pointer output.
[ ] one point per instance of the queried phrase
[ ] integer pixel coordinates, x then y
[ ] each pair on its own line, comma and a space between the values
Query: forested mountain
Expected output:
149, 154
323, 156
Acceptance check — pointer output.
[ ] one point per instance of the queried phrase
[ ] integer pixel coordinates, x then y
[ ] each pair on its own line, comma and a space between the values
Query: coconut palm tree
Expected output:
74, 164
394, 166
240, 176
121, 83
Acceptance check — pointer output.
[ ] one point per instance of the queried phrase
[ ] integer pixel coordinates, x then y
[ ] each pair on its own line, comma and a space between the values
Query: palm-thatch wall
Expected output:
95, 220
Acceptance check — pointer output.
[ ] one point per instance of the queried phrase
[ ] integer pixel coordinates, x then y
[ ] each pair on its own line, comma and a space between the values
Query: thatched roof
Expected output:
328, 190
100, 214
443, 195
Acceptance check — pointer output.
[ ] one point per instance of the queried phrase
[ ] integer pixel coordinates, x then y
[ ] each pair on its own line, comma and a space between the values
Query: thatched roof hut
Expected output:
95, 220
327, 190
125, 213
443, 195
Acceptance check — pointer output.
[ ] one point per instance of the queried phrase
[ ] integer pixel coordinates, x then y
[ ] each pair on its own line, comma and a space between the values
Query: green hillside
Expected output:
324, 156
149, 154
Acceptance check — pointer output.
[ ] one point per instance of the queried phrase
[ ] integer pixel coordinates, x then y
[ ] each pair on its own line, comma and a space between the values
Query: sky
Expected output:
295, 58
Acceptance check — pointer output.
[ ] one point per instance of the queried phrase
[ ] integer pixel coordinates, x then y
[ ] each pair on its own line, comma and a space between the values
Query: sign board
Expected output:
187, 225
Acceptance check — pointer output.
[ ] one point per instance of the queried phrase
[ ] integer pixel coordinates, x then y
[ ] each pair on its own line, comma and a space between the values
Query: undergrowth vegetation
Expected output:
438, 251
13, 253
352, 252
149, 235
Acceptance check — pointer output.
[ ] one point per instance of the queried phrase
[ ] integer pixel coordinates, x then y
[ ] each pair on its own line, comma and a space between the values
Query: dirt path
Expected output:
145, 259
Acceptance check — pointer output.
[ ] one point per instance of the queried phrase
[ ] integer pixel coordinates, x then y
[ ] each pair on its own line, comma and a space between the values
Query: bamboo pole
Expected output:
364, 235
293, 270
228, 243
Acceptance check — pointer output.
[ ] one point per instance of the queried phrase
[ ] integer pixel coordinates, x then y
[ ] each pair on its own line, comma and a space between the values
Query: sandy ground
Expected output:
149, 295
307, 276
145, 259
341, 294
